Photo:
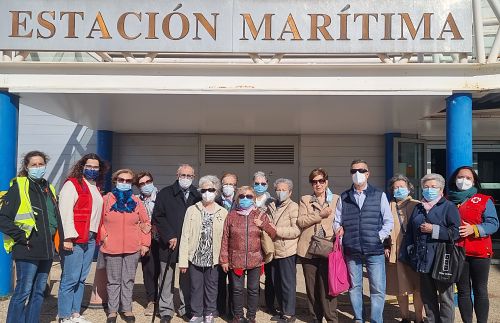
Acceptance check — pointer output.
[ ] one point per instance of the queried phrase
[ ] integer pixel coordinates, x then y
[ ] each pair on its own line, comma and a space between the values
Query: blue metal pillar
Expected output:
389, 155
105, 151
9, 116
458, 132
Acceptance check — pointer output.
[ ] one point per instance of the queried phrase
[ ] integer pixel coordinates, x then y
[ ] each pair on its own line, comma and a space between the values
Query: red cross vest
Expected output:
471, 211
82, 211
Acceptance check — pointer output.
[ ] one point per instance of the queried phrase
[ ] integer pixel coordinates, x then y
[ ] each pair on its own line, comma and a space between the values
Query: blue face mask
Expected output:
430, 193
123, 186
147, 189
90, 174
246, 203
260, 189
36, 172
401, 193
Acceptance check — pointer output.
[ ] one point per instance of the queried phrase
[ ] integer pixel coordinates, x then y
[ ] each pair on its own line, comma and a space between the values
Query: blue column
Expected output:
458, 132
105, 151
389, 154
9, 115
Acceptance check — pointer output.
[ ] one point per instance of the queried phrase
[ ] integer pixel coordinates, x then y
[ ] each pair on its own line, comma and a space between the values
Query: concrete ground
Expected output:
391, 312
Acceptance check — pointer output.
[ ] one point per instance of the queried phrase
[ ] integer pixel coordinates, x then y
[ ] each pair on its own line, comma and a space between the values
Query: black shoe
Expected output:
185, 317
129, 318
111, 319
288, 319
166, 319
251, 320
405, 321
237, 319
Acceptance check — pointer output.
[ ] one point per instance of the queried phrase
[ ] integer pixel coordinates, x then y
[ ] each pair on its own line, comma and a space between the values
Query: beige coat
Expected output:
309, 217
191, 233
287, 232
406, 208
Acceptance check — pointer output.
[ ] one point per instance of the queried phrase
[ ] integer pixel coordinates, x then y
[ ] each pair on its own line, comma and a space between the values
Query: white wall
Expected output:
64, 141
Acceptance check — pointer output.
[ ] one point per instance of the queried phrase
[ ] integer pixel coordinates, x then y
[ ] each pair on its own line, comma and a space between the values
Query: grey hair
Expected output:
260, 174
434, 177
184, 166
286, 181
400, 177
214, 180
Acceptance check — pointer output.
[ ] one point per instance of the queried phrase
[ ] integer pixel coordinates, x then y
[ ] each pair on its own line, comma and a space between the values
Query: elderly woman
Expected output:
316, 219
200, 247
125, 236
29, 220
479, 222
404, 280
283, 214
241, 251
80, 205
431, 222
260, 186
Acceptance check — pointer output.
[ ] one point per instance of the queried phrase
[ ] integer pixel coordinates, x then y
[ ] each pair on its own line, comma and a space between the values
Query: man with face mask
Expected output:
364, 220
168, 217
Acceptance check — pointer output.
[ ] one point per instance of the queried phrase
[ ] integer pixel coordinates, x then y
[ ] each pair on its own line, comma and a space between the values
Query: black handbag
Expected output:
448, 262
319, 246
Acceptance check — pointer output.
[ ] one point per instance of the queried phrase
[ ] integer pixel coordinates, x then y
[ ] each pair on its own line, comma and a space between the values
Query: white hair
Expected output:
434, 177
286, 181
260, 174
184, 166
214, 180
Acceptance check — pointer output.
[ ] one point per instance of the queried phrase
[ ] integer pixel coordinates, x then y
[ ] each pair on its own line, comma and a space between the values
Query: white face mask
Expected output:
208, 196
282, 195
185, 183
228, 190
358, 178
463, 183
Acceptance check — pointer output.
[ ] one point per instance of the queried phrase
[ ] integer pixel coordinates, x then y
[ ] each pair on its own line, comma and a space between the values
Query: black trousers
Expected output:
285, 283
269, 293
238, 284
474, 274
151, 271
203, 290
224, 303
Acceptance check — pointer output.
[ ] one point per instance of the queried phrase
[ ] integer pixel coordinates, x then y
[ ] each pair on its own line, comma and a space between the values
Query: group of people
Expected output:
215, 233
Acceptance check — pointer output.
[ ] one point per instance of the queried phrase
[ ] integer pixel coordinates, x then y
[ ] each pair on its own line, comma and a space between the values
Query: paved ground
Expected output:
49, 311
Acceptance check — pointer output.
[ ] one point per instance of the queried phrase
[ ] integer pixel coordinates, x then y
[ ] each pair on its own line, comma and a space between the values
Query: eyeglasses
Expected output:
232, 184
92, 167
261, 184
204, 190
361, 170
124, 180
141, 184
186, 176
318, 181
248, 196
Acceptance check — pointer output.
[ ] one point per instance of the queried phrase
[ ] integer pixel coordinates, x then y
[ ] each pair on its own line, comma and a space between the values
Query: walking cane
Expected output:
156, 309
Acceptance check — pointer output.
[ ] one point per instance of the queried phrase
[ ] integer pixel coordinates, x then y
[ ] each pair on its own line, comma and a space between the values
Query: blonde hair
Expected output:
243, 189
115, 175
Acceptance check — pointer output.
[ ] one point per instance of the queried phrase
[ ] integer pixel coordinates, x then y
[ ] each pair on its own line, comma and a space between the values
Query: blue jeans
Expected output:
375, 266
31, 281
76, 266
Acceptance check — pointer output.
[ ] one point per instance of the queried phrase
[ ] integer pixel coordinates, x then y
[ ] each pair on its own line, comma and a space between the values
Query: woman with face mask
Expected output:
150, 261
199, 249
432, 221
241, 251
403, 279
283, 213
29, 218
80, 205
479, 221
125, 234
260, 186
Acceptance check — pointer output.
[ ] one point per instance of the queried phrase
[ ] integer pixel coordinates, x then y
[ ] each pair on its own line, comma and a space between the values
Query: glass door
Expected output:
409, 157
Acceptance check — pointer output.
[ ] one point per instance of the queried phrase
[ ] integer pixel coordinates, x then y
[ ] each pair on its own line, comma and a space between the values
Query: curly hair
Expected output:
77, 169
23, 171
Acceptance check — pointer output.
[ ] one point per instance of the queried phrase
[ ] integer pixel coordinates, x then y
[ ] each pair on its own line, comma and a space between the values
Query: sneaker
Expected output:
79, 319
196, 319
150, 309
209, 319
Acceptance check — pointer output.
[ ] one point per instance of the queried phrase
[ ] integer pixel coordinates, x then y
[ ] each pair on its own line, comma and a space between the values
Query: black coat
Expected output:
41, 246
168, 216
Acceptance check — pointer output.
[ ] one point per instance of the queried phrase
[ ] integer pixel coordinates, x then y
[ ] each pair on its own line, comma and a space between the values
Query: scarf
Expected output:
124, 201
429, 204
458, 197
241, 211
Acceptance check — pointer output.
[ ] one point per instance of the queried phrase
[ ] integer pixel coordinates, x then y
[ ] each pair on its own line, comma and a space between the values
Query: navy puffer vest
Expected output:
361, 227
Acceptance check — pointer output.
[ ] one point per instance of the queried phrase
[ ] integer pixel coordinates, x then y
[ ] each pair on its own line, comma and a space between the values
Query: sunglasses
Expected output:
318, 181
141, 184
248, 196
261, 184
361, 170
124, 180
204, 190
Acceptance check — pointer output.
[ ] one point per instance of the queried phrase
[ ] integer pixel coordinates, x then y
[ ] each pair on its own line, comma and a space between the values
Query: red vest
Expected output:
472, 212
82, 210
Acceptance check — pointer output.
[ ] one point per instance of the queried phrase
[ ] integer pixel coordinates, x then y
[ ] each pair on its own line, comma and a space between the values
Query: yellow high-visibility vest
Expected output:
25, 217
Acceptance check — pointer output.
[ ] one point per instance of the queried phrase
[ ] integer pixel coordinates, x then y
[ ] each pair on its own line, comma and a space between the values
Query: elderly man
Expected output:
168, 217
364, 220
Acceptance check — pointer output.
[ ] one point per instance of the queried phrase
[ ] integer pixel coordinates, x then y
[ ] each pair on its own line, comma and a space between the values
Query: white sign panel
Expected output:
237, 26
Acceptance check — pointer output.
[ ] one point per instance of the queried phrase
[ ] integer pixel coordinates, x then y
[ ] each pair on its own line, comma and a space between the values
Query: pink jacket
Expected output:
124, 232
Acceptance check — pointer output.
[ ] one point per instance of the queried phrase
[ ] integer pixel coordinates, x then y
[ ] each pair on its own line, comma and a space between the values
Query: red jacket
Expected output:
241, 247
472, 212
82, 211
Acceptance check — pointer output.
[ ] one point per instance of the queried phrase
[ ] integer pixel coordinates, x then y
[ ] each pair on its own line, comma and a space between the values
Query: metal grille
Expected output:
274, 154
224, 154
